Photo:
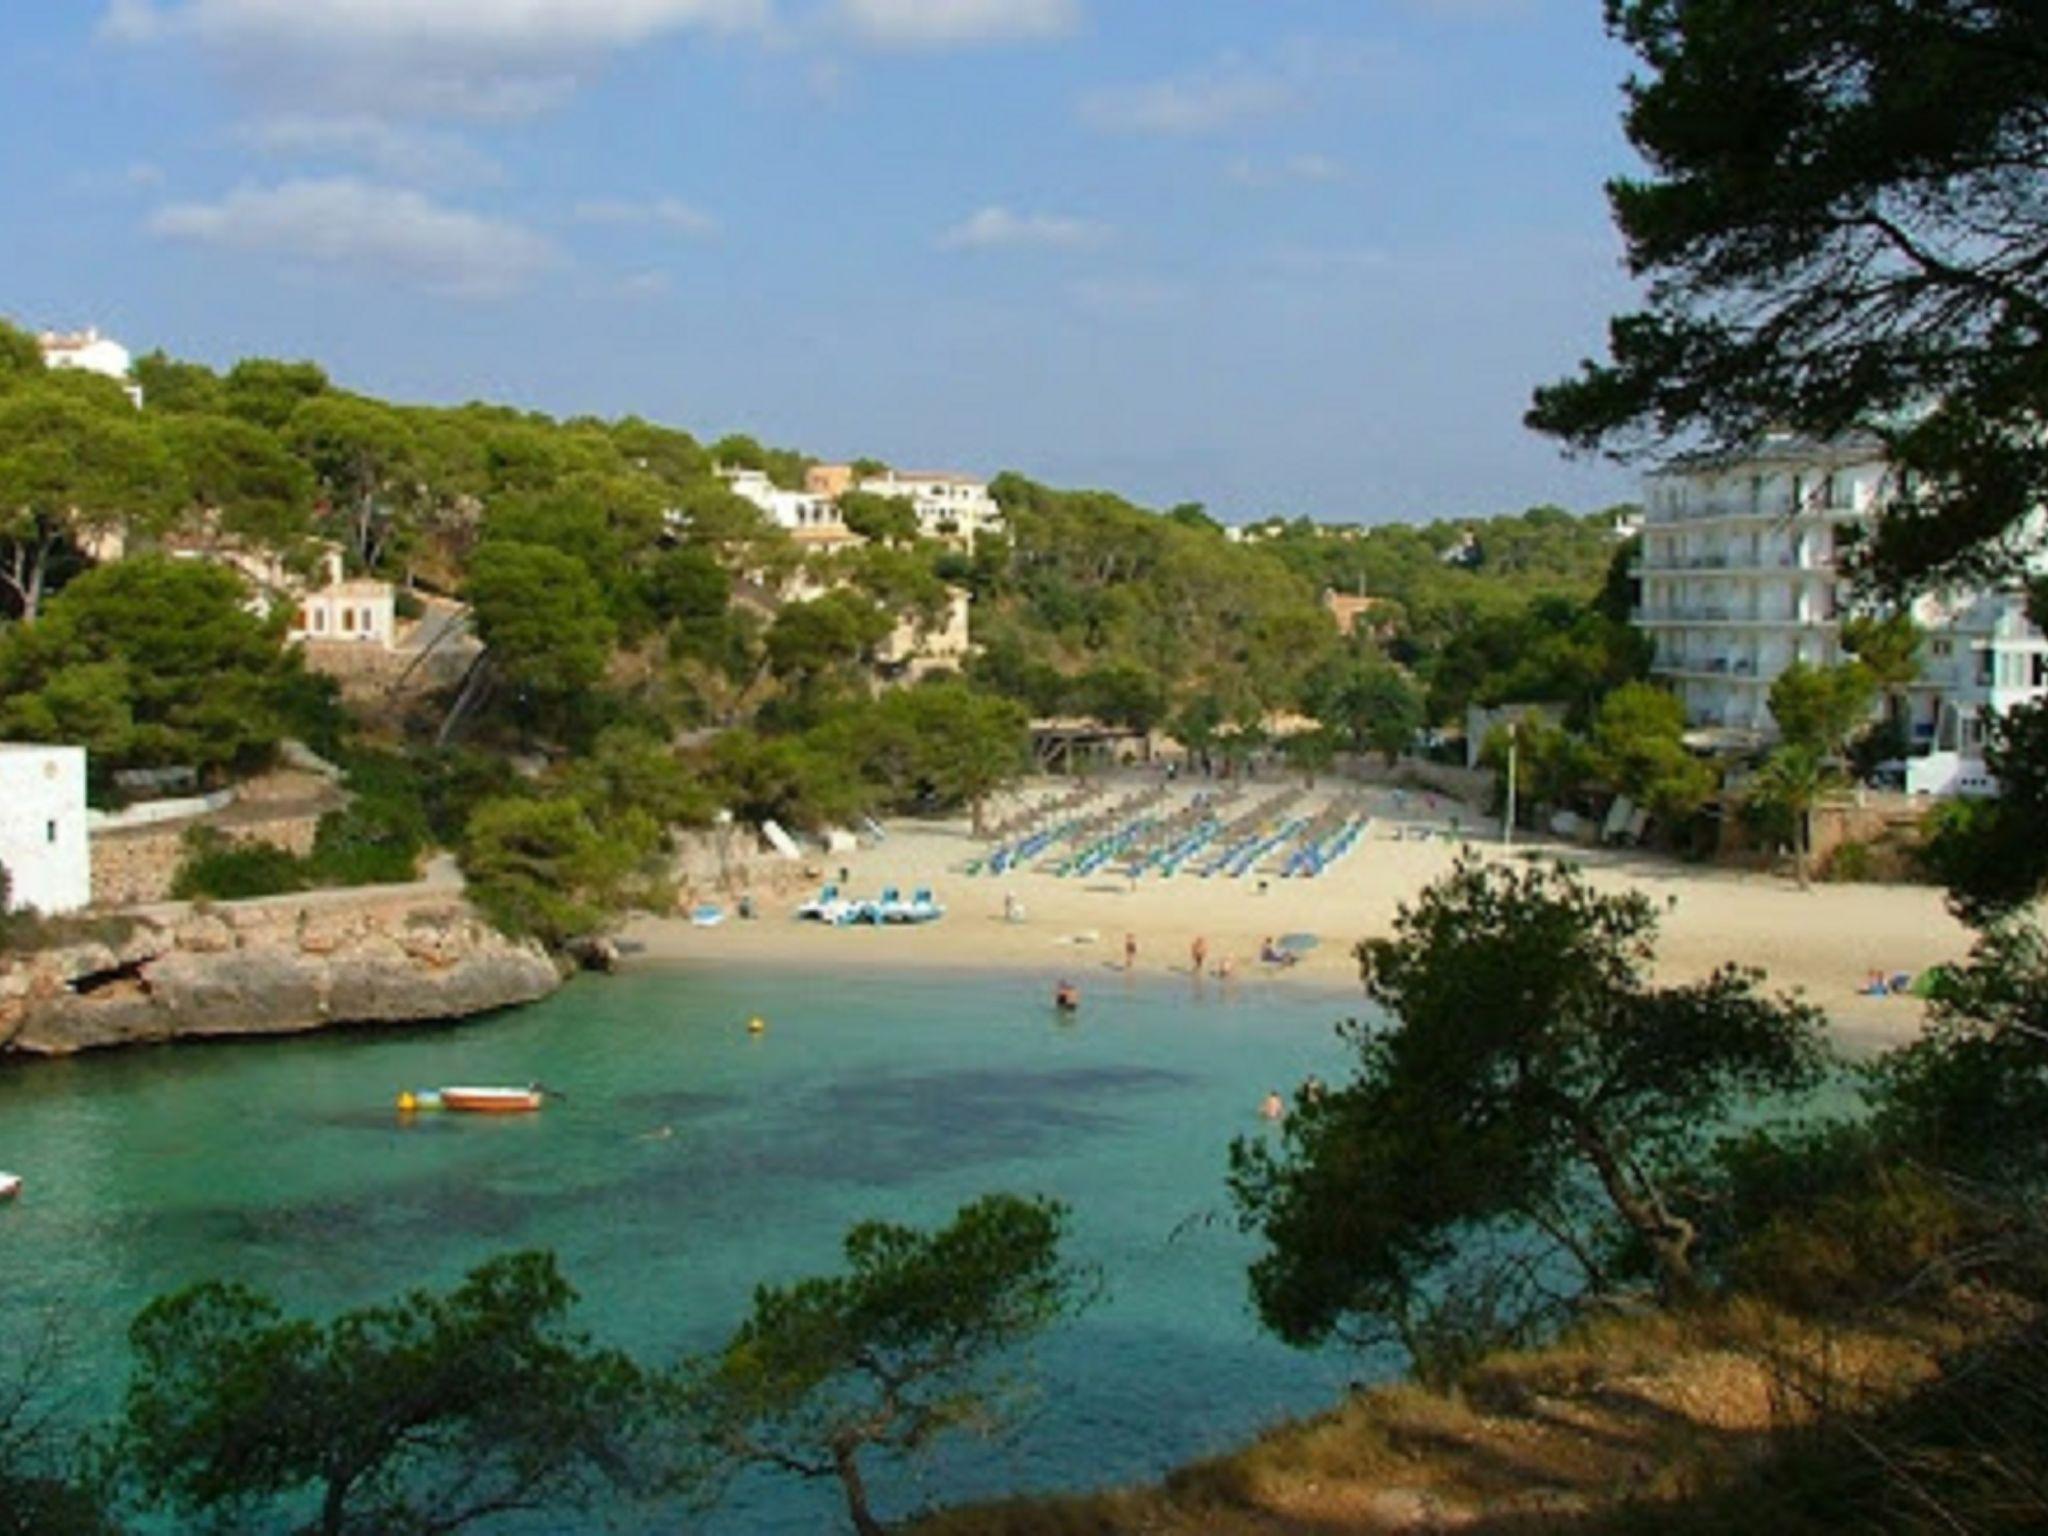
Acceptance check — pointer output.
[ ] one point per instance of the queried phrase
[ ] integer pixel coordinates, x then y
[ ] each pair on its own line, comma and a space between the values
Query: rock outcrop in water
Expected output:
268, 968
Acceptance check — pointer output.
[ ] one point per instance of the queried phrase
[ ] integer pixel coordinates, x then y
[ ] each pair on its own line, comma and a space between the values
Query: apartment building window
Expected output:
1941, 648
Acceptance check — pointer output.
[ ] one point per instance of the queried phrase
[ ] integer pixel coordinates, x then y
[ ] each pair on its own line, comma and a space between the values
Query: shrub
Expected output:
1851, 863
226, 870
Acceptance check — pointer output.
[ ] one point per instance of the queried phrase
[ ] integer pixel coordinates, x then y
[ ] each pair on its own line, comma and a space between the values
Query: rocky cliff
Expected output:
268, 968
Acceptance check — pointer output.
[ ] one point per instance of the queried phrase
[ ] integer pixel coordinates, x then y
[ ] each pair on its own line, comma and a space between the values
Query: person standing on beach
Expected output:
1130, 951
1200, 951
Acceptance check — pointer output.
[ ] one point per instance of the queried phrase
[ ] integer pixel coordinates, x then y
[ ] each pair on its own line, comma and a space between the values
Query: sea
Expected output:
683, 1161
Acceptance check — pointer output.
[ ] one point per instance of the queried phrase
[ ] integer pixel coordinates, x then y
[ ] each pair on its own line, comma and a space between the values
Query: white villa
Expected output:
43, 827
948, 506
813, 519
355, 612
1741, 577
90, 352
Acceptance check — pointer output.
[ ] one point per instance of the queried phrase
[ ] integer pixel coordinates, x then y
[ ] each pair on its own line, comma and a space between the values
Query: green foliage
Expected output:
426, 1415
1917, 129
150, 663
672, 457
268, 392
1820, 708
631, 770
1993, 855
1086, 580
901, 1349
1551, 764
611, 524
782, 466
1548, 651
1535, 1101
21, 357
74, 458
1638, 746
885, 519
174, 388
226, 869
548, 869
367, 461
824, 645
544, 620
1826, 1218
1969, 1097
1888, 646
1783, 794
1366, 704
378, 837
241, 472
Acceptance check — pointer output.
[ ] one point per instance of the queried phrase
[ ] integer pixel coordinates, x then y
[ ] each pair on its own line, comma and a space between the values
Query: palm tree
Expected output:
1786, 789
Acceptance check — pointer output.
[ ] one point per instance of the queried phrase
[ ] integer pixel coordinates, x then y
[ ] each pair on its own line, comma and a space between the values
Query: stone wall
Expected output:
1887, 825
136, 868
276, 966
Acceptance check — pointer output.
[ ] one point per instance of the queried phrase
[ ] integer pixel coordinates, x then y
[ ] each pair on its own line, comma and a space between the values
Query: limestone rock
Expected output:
275, 967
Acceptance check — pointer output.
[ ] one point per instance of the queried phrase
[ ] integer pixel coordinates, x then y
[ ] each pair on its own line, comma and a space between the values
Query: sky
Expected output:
1293, 257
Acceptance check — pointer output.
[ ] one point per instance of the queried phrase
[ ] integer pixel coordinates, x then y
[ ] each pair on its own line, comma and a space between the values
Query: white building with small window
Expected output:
357, 612
90, 352
43, 838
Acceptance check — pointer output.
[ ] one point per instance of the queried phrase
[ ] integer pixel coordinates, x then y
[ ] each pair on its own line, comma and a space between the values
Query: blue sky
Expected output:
1278, 256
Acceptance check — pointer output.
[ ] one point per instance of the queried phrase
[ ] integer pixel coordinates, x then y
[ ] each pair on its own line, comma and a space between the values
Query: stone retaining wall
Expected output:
136, 868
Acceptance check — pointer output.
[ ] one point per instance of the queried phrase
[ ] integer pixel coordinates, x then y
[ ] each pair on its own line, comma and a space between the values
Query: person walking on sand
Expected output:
1200, 951
1130, 951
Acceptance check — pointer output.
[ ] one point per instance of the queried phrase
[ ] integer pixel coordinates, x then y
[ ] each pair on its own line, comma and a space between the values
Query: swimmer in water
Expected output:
1273, 1107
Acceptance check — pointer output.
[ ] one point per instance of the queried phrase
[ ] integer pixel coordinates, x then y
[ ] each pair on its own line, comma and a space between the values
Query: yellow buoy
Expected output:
407, 1103
757, 1025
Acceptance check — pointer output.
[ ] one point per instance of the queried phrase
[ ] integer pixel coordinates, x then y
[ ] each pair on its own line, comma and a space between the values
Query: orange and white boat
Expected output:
492, 1101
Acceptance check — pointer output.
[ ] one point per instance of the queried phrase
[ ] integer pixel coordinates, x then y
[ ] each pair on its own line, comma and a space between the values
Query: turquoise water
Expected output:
688, 1161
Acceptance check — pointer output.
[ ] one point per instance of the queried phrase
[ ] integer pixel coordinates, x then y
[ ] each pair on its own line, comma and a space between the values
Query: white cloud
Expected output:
1304, 169
1237, 89
1203, 102
479, 58
998, 228
958, 23
404, 154
651, 284
670, 213
363, 228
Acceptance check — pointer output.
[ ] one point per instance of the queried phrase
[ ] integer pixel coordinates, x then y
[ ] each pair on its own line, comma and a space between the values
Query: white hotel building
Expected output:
1741, 576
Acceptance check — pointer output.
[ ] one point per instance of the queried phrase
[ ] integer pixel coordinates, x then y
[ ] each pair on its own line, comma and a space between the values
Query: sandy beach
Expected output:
1823, 942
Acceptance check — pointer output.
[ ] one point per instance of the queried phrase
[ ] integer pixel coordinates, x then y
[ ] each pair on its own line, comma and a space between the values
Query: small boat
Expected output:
491, 1101
10, 1185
